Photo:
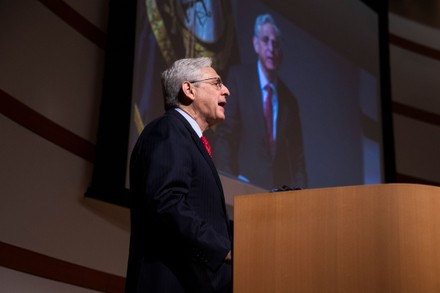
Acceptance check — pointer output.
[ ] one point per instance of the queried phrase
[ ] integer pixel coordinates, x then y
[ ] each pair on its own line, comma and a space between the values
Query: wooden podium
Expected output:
372, 238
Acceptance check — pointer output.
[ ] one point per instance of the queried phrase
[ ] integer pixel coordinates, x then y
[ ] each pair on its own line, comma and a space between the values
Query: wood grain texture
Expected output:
375, 238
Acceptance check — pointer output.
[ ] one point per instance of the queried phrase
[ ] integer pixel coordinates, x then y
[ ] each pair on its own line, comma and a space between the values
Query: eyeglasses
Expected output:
218, 81
266, 40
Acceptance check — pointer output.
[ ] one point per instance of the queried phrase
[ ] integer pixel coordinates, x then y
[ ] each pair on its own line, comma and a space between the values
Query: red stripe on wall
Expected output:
37, 264
402, 178
414, 47
37, 123
77, 22
417, 114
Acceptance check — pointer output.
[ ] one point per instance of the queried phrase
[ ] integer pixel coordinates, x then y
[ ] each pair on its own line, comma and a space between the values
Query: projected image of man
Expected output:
261, 139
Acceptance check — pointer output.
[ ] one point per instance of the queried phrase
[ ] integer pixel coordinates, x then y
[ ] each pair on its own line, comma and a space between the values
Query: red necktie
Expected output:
207, 146
268, 114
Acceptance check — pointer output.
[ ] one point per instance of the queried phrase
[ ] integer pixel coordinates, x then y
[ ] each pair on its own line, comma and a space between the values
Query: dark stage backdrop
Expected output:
335, 62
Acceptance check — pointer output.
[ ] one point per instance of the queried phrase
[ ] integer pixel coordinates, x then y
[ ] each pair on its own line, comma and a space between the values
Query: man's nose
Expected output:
225, 90
270, 45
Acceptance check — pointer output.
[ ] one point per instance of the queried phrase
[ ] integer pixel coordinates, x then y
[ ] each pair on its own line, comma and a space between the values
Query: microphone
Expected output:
286, 188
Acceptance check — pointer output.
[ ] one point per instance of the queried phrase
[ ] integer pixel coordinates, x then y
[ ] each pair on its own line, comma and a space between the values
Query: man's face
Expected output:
210, 97
267, 46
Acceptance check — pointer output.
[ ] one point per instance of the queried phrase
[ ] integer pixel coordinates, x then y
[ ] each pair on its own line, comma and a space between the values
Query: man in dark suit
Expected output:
261, 140
180, 234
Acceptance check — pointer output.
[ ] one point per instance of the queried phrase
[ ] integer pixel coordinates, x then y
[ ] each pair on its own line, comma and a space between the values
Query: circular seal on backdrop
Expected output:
192, 28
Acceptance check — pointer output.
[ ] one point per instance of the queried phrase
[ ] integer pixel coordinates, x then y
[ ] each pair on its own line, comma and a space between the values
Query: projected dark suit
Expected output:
180, 230
242, 146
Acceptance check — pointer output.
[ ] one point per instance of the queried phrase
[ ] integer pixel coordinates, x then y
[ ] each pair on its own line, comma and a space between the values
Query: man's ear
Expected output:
188, 92
255, 42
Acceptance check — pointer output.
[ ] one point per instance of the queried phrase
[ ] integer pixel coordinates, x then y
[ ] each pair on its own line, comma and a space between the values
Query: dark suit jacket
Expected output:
179, 226
241, 141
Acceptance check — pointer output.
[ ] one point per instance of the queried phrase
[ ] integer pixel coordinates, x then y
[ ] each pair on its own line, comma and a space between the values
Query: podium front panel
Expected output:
372, 238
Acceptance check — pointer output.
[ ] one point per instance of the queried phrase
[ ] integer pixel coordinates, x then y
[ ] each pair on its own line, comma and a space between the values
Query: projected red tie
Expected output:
268, 115
207, 146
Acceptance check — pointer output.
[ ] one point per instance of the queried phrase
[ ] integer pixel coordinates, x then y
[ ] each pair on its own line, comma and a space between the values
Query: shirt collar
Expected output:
263, 79
191, 121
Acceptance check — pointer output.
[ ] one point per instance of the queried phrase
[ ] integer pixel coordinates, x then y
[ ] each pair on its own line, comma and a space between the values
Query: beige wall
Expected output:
53, 69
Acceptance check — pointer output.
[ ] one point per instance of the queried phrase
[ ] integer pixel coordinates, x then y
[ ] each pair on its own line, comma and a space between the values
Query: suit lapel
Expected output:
282, 123
208, 158
256, 92
258, 111
200, 146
